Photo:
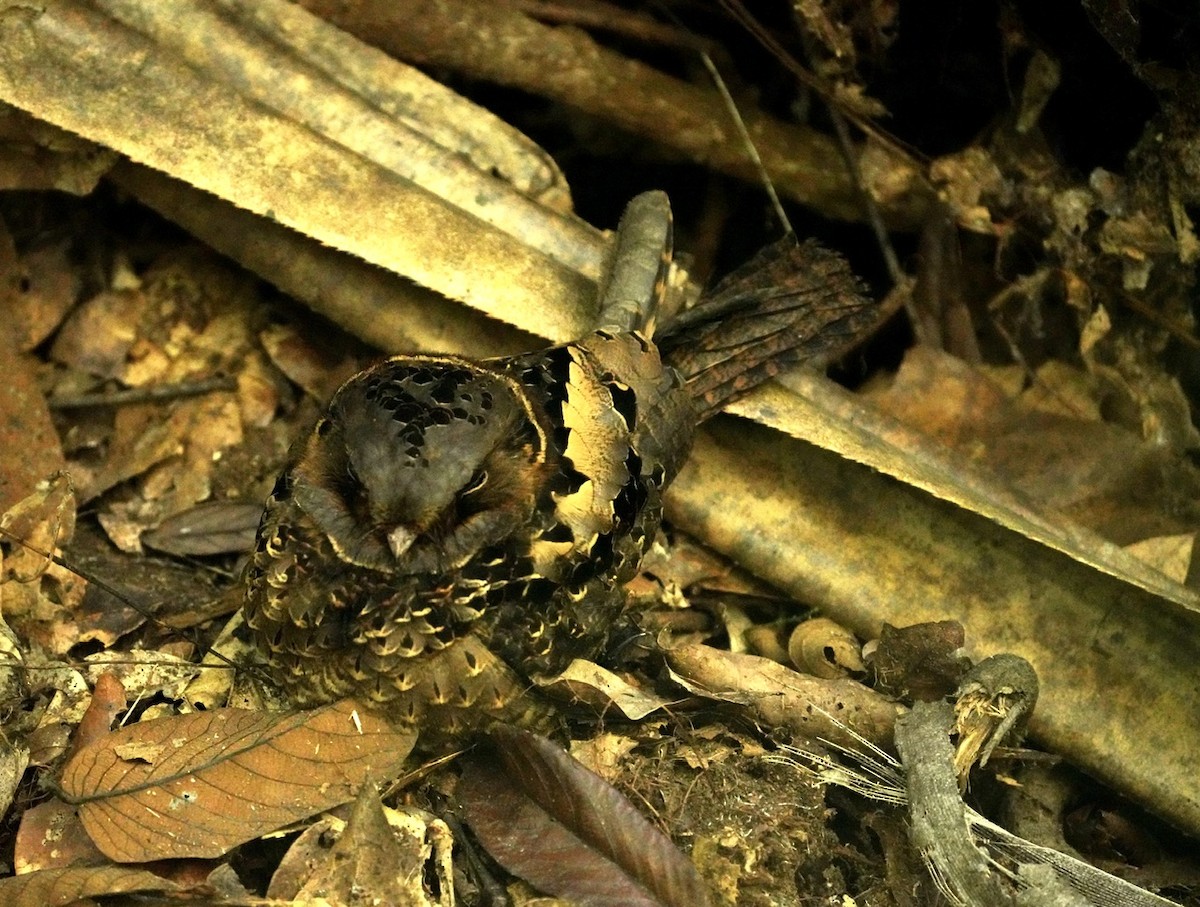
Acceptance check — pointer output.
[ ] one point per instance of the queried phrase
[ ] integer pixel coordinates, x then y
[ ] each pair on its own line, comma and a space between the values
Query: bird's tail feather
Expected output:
791, 303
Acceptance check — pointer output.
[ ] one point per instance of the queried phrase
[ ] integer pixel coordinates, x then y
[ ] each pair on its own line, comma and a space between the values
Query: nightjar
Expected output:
452, 528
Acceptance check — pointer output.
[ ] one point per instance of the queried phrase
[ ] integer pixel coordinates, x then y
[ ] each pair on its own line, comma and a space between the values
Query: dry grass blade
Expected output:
381, 308
548, 819
396, 117
140, 98
197, 785
52, 887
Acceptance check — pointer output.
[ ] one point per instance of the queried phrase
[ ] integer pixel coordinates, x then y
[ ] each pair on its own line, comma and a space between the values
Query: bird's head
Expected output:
421, 462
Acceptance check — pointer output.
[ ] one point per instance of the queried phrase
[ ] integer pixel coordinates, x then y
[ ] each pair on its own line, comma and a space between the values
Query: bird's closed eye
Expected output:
353, 492
478, 479
469, 500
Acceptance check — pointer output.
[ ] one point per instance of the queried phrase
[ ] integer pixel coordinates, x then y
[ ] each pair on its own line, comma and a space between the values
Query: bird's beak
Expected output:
400, 539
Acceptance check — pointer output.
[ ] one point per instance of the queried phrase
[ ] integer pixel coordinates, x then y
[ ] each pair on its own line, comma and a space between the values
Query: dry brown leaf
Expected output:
549, 820
51, 837
49, 287
40, 598
1171, 554
220, 778
603, 753
29, 446
942, 397
54, 887
585, 681
190, 319
924, 661
258, 390
216, 682
808, 706
108, 701
1057, 388
145, 673
131, 455
206, 428
377, 856
964, 179
41, 523
215, 527
317, 366
98, 335
1049, 444
36, 155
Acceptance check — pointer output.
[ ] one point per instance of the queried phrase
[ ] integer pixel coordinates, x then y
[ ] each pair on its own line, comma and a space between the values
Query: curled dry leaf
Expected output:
824, 648
924, 661
198, 785
586, 681
549, 820
781, 697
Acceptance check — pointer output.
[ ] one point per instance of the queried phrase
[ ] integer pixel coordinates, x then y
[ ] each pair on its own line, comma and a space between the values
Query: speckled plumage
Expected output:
550, 469
452, 528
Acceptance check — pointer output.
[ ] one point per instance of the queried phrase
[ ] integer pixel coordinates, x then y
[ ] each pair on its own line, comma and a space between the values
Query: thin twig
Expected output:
751, 150
119, 595
870, 209
151, 394
739, 12
613, 19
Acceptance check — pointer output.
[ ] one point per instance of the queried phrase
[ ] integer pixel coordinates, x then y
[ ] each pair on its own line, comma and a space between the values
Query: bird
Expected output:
452, 529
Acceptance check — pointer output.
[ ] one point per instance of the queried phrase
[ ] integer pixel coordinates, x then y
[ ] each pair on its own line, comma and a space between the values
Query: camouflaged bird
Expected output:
453, 527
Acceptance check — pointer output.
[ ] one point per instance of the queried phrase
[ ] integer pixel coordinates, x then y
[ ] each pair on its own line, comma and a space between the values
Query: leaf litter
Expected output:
1065, 381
